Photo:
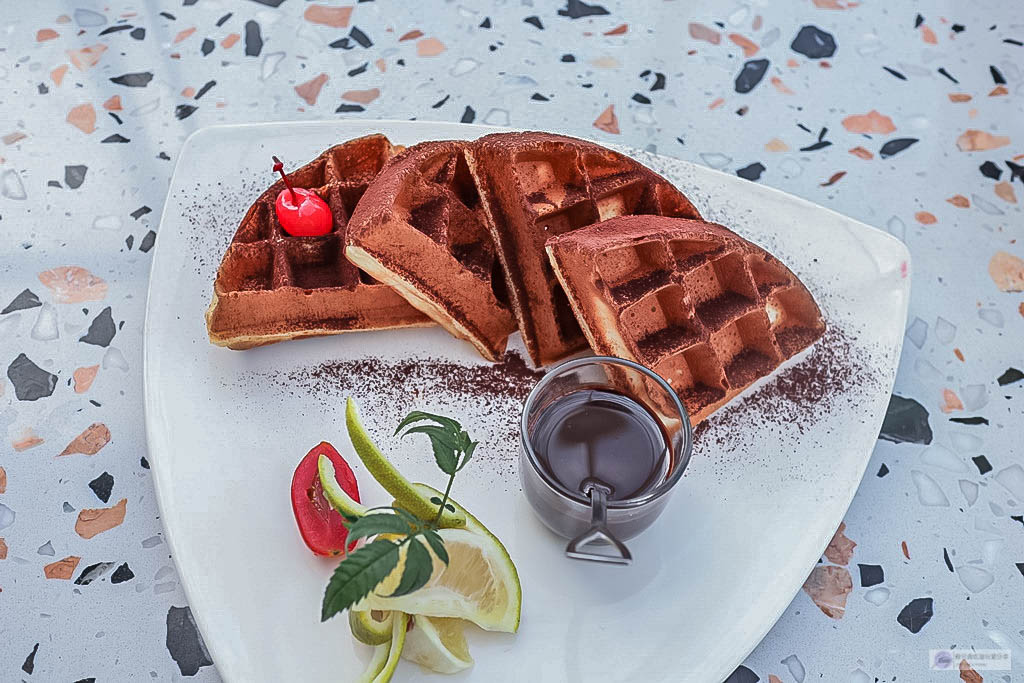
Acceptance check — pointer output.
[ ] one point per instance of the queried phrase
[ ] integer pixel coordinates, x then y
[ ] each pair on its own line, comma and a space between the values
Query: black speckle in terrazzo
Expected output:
116, 118
1016, 171
138, 34
74, 176
918, 20
185, 643
30, 662
751, 172
537, 97
140, 212
970, 420
183, 111
1009, 377
91, 679
164, 156
982, 463
357, 35
534, 21
486, 23
990, 170
882, 471
469, 115
253, 39
92, 573
895, 146
742, 675
42, 89
568, 58
148, 240
440, 102
870, 575
269, 3
115, 29
207, 46
813, 42
168, 15
349, 108
205, 89
750, 75
642, 99
916, 614
122, 573
359, 69
895, 73
945, 558
139, 79
101, 329
942, 70
223, 20
27, 299
144, 463
116, 137
129, 241
659, 79
30, 381
102, 486
1018, 518
1020, 567
997, 75
574, 9
906, 421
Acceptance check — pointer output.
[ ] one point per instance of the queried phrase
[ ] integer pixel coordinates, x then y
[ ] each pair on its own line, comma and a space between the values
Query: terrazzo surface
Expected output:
907, 116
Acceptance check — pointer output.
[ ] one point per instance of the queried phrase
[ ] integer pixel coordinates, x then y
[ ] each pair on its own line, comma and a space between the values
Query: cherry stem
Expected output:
279, 168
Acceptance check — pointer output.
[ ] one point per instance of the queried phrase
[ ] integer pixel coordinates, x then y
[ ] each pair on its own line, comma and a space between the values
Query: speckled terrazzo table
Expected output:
907, 116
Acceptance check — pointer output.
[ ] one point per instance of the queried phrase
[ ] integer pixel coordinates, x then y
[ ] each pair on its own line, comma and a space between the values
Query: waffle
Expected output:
272, 286
420, 228
705, 309
536, 185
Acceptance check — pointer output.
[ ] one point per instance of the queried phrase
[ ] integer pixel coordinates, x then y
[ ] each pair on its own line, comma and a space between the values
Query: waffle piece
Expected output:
537, 185
704, 308
272, 286
420, 229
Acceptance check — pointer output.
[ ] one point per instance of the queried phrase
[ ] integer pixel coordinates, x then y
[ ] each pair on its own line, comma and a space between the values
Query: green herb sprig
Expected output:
363, 569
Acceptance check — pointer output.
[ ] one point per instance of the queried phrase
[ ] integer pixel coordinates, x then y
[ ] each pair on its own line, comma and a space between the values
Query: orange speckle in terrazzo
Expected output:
83, 117
772, 678
63, 19
833, 179
607, 121
381, 65
84, 377
748, 46
11, 138
411, 35
62, 570
335, 17
310, 90
3, 480
999, 90
605, 62
928, 35
959, 354
89, 442
906, 551
840, 548
188, 91
757, 23
87, 57
925, 218
73, 285
113, 103
973, 140
1007, 271
44, 34
3, 549
361, 96
833, 4
95, 521
718, 102
618, 30
705, 33
27, 440
1004, 191
792, 63
950, 401
828, 587
429, 47
230, 40
968, 674
959, 97
57, 75
861, 153
781, 87
960, 201
872, 122
776, 145
824, 64
183, 34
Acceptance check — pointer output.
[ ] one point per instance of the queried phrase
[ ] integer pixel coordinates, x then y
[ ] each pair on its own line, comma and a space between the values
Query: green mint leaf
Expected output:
418, 568
414, 521
380, 523
468, 453
357, 575
436, 543
444, 446
420, 416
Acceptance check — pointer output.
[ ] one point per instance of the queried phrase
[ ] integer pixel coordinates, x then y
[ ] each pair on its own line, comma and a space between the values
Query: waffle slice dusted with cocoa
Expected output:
535, 186
272, 286
704, 308
420, 228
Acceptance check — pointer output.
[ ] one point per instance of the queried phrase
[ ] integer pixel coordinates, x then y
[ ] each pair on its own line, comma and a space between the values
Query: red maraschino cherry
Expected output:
301, 212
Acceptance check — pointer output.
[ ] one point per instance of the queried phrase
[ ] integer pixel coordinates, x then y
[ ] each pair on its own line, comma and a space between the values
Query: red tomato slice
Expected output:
322, 527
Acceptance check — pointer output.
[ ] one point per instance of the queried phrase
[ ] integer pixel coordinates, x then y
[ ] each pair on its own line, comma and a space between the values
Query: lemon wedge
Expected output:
372, 627
438, 644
